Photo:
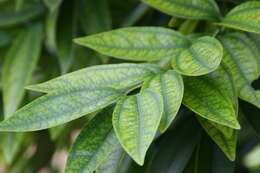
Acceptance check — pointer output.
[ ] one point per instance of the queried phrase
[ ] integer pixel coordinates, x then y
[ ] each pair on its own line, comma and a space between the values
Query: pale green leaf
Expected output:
135, 120
170, 86
94, 16
191, 9
201, 57
95, 143
59, 107
242, 60
136, 43
245, 16
205, 96
20, 61
118, 76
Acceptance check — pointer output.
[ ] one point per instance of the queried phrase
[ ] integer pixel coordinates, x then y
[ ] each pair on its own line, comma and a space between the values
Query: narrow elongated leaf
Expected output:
94, 16
201, 57
20, 61
245, 16
135, 120
170, 86
198, 9
65, 32
176, 146
58, 108
242, 60
205, 96
136, 43
95, 143
118, 76
8, 19
5, 38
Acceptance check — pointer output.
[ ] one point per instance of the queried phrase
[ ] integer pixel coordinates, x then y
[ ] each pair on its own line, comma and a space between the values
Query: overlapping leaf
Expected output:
198, 9
118, 76
95, 143
204, 96
136, 43
242, 60
245, 16
135, 120
201, 57
170, 86
20, 62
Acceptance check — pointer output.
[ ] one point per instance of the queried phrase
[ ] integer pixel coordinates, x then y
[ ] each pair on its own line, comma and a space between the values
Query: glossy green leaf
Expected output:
94, 16
170, 86
20, 61
191, 9
201, 57
242, 60
204, 96
8, 19
95, 143
135, 120
118, 76
174, 149
59, 107
245, 16
136, 43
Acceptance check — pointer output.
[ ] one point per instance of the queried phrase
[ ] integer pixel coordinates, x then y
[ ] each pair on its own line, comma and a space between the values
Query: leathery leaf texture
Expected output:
77, 94
245, 16
191, 9
242, 60
170, 86
224, 137
135, 121
136, 43
205, 96
201, 57
94, 145
20, 61
189, 57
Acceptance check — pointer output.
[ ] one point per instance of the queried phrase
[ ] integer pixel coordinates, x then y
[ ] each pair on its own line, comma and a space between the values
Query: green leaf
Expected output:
117, 76
242, 60
135, 121
170, 86
65, 32
59, 107
94, 16
136, 43
20, 61
5, 39
52, 4
175, 147
117, 162
201, 57
224, 137
205, 96
191, 9
95, 143
11, 18
245, 16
